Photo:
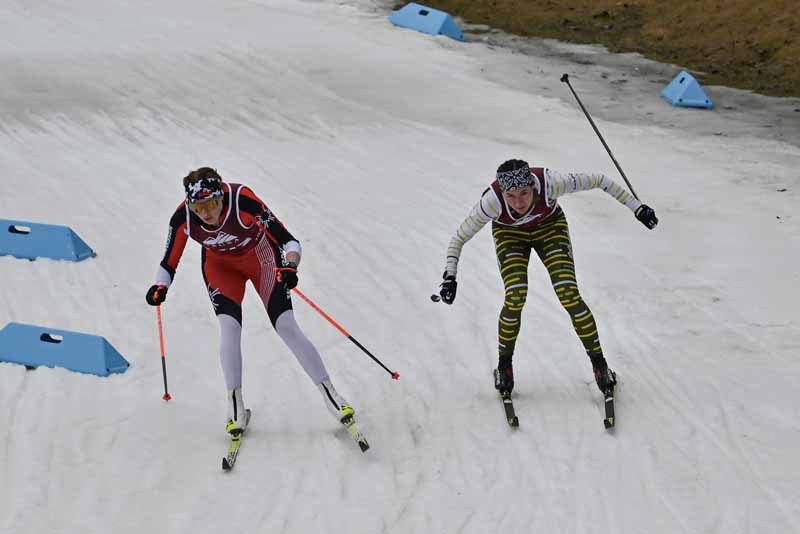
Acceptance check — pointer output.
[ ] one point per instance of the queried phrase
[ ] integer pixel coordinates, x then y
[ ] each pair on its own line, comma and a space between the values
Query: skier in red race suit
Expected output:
242, 240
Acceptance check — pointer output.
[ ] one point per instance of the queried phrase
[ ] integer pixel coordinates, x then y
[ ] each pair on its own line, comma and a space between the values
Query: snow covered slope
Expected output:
371, 143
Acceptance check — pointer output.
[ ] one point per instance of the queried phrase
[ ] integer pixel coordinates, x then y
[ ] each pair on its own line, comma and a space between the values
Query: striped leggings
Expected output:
551, 242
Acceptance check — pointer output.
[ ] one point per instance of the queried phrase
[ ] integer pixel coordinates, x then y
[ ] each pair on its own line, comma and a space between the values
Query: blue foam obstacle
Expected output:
685, 91
34, 346
426, 20
29, 241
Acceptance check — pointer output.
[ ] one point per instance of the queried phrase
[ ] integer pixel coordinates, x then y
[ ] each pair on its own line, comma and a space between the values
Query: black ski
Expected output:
608, 400
608, 396
236, 441
508, 406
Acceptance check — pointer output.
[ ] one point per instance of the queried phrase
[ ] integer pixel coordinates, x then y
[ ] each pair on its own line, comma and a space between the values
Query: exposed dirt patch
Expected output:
745, 44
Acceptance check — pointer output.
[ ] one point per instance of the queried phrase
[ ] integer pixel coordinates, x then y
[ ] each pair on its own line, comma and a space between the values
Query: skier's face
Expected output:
519, 198
208, 211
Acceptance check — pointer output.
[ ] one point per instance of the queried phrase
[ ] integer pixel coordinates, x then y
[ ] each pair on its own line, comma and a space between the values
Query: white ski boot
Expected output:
237, 415
335, 403
343, 412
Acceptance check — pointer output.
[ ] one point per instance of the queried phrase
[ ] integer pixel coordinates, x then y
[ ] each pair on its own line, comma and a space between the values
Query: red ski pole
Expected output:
394, 374
166, 396
278, 270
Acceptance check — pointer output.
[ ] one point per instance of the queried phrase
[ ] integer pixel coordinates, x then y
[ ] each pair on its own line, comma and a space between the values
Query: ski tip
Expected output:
225, 465
608, 423
363, 445
514, 422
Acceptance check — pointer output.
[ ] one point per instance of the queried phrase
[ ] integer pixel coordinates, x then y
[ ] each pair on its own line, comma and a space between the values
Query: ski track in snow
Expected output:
371, 144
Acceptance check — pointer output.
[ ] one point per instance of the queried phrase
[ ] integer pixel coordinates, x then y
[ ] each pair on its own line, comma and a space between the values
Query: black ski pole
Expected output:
565, 79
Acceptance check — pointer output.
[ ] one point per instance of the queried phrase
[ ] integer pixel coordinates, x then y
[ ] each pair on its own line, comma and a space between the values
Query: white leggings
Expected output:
230, 349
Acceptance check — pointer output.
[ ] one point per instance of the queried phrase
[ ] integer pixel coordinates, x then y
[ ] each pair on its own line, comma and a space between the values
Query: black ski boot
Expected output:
504, 379
605, 377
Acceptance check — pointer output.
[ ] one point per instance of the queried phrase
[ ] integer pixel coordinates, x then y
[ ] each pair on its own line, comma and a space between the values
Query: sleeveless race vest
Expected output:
232, 236
541, 209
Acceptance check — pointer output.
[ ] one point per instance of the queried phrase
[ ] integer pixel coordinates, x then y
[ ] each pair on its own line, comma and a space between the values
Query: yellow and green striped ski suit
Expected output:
550, 240
516, 237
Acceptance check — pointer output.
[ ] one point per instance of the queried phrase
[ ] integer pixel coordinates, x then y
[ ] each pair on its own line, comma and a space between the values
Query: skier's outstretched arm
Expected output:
487, 209
560, 184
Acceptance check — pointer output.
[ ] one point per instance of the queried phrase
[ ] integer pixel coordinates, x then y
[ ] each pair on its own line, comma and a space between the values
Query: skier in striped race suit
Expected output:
522, 205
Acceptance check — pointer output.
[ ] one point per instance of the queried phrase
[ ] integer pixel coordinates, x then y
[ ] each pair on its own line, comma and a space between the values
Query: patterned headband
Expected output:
204, 189
517, 178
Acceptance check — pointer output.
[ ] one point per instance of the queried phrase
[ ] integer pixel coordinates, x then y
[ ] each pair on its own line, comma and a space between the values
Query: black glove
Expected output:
448, 288
647, 216
287, 275
156, 295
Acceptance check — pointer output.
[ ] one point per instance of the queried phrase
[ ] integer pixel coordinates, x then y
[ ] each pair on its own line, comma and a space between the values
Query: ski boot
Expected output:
343, 412
335, 403
606, 378
504, 379
237, 415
